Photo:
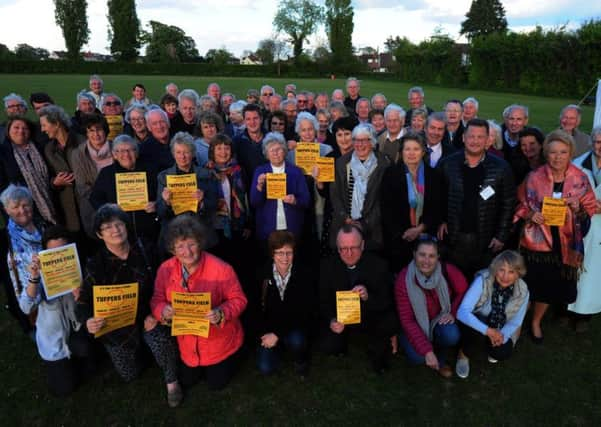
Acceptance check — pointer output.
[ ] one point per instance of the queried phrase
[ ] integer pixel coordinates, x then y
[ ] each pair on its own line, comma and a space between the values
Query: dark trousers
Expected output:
473, 342
268, 359
378, 327
217, 375
466, 254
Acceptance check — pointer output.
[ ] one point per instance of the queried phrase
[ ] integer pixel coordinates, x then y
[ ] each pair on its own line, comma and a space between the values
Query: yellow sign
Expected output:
326, 169
115, 123
554, 211
61, 271
190, 311
348, 307
116, 304
132, 190
276, 185
183, 189
306, 155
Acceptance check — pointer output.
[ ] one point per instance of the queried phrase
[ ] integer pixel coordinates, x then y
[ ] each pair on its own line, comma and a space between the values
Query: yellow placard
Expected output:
115, 123
306, 155
276, 185
348, 307
116, 304
132, 190
61, 271
190, 310
326, 169
554, 211
183, 189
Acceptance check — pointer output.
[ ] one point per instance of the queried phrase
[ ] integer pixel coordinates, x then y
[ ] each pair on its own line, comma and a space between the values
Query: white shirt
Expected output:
280, 215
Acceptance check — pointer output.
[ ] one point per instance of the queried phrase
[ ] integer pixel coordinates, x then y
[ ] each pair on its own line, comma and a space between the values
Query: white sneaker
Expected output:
492, 360
462, 367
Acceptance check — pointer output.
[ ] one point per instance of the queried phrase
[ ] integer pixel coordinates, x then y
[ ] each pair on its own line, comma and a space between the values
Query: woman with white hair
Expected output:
281, 214
135, 123
355, 194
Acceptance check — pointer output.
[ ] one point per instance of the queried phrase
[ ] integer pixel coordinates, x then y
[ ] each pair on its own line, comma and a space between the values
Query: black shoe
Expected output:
536, 340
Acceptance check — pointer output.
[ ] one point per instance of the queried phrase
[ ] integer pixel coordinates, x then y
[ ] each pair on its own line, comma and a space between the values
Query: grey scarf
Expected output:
520, 293
416, 282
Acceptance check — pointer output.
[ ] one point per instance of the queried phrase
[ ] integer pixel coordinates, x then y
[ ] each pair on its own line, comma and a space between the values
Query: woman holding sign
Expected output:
556, 206
410, 201
132, 185
114, 302
278, 192
210, 335
55, 321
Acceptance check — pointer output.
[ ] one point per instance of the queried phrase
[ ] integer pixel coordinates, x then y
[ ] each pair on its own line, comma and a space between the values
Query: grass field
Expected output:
544, 112
556, 384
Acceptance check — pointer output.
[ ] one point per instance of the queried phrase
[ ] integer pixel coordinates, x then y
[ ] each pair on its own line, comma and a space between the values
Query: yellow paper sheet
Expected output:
306, 155
132, 190
116, 304
190, 311
115, 123
276, 185
183, 188
326, 169
61, 271
348, 307
554, 211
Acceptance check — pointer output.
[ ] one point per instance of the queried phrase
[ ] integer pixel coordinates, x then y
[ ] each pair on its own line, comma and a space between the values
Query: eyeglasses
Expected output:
268, 94
112, 103
301, 101
132, 120
349, 249
117, 225
362, 141
277, 123
283, 253
15, 106
181, 247
125, 151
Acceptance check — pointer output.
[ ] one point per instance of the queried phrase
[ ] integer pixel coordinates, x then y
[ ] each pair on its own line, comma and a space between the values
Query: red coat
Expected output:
416, 337
217, 277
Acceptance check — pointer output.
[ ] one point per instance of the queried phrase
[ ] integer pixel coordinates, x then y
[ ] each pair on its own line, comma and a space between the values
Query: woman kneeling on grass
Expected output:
192, 270
428, 293
494, 307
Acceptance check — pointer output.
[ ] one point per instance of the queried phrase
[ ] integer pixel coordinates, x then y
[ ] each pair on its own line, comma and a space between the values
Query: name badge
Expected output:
487, 193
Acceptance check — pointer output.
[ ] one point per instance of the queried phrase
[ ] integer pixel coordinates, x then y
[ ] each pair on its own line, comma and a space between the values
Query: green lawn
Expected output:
544, 112
551, 385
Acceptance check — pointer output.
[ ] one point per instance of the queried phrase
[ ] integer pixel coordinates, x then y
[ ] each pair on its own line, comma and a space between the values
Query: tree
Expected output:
298, 19
71, 16
484, 17
26, 52
124, 29
168, 43
266, 51
5, 53
220, 56
339, 26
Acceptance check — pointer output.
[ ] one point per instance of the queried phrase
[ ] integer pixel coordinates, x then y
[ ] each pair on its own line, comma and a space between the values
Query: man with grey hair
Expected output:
302, 101
470, 109
379, 102
156, 150
14, 105
569, 120
172, 89
515, 119
389, 142
337, 95
187, 112
435, 131
453, 110
353, 87
86, 105
266, 93
235, 125
362, 109
97, 88
416, 96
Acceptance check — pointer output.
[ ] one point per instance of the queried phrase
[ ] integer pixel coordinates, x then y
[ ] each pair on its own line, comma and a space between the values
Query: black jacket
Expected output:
495, 213
395, 211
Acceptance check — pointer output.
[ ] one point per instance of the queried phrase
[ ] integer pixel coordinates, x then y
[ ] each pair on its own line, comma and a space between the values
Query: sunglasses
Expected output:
112, 103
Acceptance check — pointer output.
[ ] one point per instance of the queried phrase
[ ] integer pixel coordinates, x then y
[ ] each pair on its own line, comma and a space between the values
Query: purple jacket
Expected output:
265, 210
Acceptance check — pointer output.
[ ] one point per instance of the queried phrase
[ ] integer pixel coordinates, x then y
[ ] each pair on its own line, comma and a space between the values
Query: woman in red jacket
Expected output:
427, 294
191, 270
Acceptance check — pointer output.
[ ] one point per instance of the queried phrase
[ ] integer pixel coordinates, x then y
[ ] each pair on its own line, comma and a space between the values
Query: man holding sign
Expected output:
356, 295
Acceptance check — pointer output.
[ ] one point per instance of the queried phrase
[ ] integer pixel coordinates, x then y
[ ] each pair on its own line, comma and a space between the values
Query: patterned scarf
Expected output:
517, 296
35, 172
416, 282
281, 282
498, 303
23, 245
232, 218
102, 157
415, 193
361, 172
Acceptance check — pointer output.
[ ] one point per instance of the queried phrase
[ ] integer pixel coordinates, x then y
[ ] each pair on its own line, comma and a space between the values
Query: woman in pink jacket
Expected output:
191, 270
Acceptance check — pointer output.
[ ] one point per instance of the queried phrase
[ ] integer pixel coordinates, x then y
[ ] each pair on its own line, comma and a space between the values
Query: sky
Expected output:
239, 25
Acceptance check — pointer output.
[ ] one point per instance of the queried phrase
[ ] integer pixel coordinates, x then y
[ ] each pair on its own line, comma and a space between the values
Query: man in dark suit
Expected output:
435, 131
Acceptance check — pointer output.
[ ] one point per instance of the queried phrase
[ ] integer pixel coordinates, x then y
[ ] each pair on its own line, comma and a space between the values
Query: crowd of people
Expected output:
446, 227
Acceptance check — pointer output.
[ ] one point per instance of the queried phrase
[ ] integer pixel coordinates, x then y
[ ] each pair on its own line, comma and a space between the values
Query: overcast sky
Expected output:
240, 24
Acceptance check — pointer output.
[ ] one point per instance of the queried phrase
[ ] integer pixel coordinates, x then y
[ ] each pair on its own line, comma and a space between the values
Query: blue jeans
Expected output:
268, 359
444, 336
